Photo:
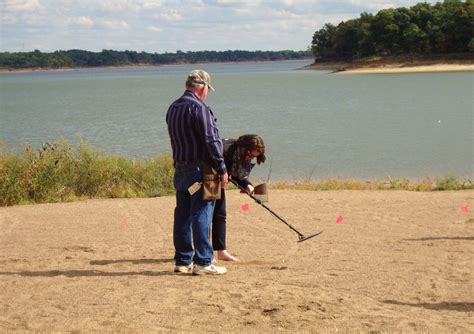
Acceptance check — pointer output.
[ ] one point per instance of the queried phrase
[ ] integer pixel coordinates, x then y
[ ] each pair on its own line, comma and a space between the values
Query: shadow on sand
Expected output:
98, 273
140, 261
450, 306
85, 273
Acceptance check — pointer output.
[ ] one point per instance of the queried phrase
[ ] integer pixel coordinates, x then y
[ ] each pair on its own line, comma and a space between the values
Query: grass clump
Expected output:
446, 183
452, 182
59, 172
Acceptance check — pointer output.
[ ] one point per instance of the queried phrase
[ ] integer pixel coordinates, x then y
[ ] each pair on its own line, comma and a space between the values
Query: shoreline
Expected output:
396, 64
372, 65
69, 69
344, 68
410, 69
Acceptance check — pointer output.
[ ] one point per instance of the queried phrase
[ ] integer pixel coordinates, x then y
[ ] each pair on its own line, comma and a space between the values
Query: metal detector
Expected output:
301, 236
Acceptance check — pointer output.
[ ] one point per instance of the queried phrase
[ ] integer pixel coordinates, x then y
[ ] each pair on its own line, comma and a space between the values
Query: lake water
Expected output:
315, 124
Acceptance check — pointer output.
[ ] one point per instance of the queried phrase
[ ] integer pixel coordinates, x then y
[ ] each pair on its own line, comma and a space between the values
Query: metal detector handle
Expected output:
300, 235
245, 190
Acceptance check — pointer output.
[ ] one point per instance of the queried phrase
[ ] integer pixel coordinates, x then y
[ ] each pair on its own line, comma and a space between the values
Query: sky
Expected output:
167, 26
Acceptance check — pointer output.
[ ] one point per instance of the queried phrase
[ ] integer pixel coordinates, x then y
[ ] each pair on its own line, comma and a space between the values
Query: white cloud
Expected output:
82, 21
169, 17
151, 5
34, 19
215, 24
251, 8
283, 14
242, 11
154, 28
115, 6
226, 2
21, 5
379, 6
8, 18
85, 21
115, 24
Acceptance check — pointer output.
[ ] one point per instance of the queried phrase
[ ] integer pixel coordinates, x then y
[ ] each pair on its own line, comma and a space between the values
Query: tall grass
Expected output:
450, 182
60, 172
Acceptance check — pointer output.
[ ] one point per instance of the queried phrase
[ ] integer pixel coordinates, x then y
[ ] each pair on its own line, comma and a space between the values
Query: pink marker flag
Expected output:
464, 209
339, 219
245, 207
124, 223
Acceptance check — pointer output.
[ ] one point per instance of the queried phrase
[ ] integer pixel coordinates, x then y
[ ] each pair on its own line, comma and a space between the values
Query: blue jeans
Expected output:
192, 219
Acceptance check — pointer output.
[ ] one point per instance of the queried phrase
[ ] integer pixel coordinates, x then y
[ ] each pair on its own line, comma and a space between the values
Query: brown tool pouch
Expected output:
211, 186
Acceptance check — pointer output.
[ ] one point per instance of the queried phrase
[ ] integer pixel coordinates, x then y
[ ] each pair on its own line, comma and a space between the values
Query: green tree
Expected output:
446, 27
366, 45
324, 40
403, 19
471, 45
457, 25
415, 38
385, 31
347, 39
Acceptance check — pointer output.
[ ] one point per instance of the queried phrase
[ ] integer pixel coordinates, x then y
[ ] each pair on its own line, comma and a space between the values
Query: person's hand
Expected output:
224, 179
250, 189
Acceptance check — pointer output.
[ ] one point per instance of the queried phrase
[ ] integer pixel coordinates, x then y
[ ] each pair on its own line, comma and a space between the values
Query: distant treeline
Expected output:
445, 27
81, 58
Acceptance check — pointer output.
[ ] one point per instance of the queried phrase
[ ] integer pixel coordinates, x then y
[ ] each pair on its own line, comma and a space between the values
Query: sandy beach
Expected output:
387, 261
411, 69
399, 64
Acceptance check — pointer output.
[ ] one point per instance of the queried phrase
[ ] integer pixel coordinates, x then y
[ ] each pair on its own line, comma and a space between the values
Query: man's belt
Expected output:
181, 163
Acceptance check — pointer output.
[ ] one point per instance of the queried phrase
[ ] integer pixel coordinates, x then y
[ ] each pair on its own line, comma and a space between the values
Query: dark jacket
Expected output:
230, 147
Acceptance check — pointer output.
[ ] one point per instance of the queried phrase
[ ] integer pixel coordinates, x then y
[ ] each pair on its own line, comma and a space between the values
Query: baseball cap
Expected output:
200, 77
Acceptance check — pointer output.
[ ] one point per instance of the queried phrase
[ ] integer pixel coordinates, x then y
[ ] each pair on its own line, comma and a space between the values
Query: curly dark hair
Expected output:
251, 143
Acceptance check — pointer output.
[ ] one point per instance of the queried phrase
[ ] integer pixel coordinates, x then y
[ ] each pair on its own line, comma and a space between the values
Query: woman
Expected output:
238, 156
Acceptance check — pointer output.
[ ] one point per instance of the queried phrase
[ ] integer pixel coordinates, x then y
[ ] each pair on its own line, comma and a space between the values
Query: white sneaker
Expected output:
211, 269
184, 269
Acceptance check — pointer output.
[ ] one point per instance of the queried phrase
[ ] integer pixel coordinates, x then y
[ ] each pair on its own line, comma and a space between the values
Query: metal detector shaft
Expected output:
300, 235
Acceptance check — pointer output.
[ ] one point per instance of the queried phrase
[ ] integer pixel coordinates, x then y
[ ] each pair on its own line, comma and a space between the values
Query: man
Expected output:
195, 140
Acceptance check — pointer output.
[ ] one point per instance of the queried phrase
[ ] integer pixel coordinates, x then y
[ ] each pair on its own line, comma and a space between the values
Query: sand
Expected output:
411, 69
397, 262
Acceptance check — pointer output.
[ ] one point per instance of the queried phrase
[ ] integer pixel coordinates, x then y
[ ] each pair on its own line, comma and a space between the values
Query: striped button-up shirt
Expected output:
193, 132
